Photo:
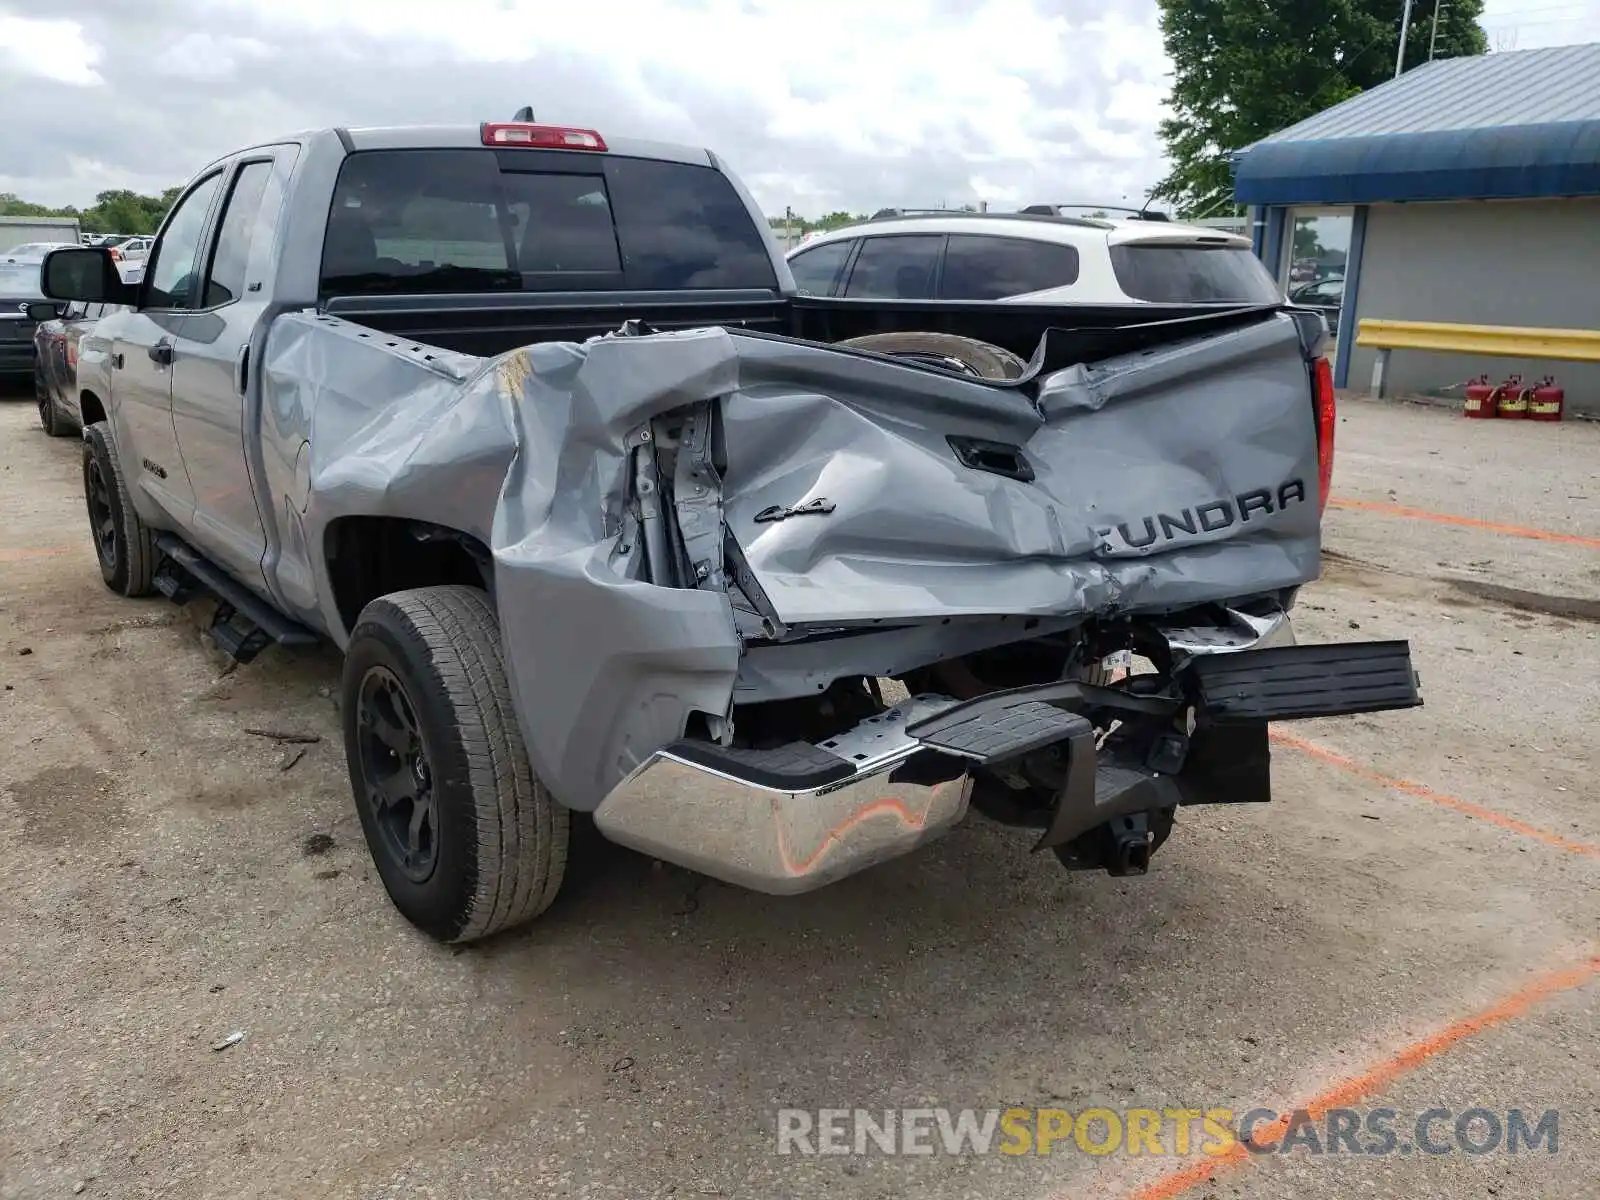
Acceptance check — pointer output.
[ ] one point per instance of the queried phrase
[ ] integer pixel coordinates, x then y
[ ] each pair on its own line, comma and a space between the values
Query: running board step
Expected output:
244, 625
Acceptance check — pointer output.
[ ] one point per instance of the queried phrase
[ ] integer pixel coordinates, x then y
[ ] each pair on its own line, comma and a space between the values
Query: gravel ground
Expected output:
171, 877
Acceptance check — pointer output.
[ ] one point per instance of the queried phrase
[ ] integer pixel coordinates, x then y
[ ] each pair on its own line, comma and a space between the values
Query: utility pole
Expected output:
1400, 54
1433, 39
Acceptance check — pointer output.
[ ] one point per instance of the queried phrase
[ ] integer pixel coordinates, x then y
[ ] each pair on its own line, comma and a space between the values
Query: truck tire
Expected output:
123, 543
982, 359
49, 419
467, 841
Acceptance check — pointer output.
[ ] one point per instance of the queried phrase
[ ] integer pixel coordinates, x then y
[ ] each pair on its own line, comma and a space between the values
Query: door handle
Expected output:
241, 370
116, 361
161, 353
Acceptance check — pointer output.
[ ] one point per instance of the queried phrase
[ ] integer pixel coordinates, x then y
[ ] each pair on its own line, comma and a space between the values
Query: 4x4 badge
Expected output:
819, 507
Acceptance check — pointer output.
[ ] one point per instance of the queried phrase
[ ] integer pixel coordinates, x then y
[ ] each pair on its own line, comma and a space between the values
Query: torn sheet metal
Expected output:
810, 490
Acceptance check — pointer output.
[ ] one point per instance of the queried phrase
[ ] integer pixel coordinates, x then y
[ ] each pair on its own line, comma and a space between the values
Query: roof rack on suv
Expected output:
1137, 214
896, 214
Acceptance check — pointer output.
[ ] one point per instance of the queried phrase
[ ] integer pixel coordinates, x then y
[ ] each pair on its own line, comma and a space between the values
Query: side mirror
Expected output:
40, 311
86, 273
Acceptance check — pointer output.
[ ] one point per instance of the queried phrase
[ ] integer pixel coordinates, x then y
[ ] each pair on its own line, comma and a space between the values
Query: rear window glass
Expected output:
1192, 274
992, 268
481, 220
896, 267
817, 269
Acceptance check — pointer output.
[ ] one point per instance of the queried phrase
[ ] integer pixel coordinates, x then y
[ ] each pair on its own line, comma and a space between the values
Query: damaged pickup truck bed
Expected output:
606, 519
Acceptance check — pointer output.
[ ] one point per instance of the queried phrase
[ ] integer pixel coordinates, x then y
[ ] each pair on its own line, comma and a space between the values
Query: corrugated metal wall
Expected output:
1514, 262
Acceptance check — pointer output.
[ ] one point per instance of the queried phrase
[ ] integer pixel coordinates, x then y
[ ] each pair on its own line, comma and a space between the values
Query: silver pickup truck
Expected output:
606, 519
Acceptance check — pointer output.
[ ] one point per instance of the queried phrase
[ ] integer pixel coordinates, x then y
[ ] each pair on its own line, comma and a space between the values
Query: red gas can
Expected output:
1482, 397
1513, 402
1548, 402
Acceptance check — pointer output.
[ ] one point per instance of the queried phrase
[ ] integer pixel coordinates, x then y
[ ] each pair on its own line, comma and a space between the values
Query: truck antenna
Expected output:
524, 114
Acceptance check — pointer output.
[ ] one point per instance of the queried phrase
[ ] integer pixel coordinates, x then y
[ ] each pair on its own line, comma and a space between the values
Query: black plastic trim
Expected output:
796, 767
996, 458
1068, 694
991, 730
1287, 683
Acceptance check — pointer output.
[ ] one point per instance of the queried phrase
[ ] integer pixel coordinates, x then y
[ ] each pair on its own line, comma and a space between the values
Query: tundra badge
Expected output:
1211, 517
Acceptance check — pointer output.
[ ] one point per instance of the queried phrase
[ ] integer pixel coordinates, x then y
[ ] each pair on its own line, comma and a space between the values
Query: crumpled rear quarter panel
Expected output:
527, 452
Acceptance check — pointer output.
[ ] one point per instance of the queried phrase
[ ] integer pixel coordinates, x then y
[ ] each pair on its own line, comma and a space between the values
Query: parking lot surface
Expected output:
1411, 924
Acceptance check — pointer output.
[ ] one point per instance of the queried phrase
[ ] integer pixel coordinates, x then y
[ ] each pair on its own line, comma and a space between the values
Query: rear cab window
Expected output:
1192, 273
488, 220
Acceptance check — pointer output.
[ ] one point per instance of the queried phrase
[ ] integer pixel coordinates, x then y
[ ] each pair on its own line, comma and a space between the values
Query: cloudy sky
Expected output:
818, 104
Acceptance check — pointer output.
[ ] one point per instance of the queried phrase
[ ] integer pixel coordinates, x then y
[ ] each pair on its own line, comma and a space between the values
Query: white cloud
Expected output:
205, 56
48, 48
824, 105
831, 104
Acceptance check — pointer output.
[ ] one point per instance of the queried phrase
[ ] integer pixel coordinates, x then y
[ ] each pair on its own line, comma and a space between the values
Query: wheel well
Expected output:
89, 404
370, 557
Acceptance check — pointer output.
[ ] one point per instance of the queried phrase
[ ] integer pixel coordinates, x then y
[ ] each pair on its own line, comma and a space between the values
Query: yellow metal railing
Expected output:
1507, 341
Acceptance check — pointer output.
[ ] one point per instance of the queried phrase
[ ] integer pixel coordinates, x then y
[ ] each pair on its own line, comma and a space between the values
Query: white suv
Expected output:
1033, 258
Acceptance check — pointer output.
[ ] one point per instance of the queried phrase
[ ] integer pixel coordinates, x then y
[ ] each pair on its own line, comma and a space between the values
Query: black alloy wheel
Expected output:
397, 781
102, 522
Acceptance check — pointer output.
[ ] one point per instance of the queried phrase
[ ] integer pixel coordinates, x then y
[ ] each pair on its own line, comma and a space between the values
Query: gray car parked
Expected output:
605, 518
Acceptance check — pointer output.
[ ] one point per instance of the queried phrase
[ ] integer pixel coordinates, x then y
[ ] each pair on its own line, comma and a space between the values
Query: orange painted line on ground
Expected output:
1423, 792
1422, 514
23, 553
1375, 1078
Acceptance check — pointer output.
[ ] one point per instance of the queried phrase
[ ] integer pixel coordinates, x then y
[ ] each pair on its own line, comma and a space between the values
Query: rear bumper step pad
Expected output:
1288, 683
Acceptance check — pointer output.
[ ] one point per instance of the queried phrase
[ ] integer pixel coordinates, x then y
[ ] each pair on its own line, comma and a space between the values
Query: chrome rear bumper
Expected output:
790, 831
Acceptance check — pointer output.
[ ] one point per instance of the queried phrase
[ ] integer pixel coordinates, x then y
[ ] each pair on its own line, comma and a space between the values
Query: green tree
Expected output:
115, 211
833, 220
12, 205
1243, 69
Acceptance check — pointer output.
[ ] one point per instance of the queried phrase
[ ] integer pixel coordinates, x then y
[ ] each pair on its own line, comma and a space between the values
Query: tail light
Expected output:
1327, 418
546, 137
116, 255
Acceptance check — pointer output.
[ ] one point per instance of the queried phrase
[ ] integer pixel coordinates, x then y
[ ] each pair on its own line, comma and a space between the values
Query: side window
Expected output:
225, 281
75, 311
176, 257
991, 268
896, 267
816, 270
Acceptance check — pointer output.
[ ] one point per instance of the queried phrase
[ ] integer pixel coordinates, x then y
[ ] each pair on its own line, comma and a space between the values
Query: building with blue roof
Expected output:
1467, 190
